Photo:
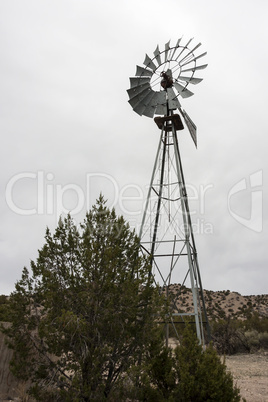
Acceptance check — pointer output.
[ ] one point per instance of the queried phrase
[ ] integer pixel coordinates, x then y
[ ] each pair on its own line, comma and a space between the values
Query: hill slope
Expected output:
223, 304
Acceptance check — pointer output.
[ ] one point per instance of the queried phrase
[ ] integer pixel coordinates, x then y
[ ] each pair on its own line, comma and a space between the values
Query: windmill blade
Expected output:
148, 99
191, 52
190, 124
136, 90
191, 80
178, 42
195, 68
173, 102
194, 59
167, 48
157, 55
184, 92
160, 97
190, 40
139, 97
184, 48
138, 81
149, 63
161, 101
175, 48
161, 109
150, 104
142, 102
149, 111
139, 108
155, 98
140, 71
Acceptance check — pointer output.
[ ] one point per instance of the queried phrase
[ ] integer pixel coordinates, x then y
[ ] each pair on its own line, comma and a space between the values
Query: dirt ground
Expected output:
250, 372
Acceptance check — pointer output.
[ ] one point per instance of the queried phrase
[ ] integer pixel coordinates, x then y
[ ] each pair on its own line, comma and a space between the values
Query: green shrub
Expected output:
187, 374
228, 337
257, 340
253, 339
232, 335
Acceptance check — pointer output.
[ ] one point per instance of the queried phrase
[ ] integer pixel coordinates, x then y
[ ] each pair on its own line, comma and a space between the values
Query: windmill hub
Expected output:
167, 81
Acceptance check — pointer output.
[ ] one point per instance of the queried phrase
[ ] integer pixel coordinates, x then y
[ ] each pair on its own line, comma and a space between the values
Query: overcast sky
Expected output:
68, 131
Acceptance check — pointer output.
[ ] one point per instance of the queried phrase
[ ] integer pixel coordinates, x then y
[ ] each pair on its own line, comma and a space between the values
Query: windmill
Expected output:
166, 230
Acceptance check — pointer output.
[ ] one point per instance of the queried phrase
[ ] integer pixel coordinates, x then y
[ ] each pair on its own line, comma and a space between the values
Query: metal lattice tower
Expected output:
166, 231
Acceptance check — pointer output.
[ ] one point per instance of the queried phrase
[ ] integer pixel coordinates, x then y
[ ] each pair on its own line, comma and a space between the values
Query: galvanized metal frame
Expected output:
150, 240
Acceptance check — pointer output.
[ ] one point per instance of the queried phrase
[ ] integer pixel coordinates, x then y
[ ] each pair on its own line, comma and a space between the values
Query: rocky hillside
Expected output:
223, 304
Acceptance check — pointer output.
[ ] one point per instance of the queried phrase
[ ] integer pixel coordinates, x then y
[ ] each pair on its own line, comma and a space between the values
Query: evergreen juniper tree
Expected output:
86, 311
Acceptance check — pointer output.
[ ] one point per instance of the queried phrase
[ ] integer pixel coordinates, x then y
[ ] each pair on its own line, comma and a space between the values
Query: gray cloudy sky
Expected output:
68, 131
